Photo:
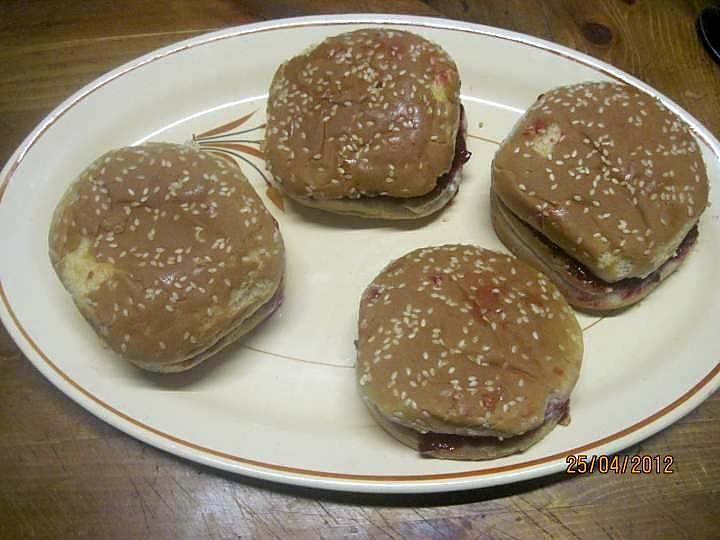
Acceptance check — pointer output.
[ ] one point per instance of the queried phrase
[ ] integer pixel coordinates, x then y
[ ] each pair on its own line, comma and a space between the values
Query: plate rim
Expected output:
541, 466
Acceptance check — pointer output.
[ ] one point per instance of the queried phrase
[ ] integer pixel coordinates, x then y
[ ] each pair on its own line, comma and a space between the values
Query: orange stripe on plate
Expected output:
225, 127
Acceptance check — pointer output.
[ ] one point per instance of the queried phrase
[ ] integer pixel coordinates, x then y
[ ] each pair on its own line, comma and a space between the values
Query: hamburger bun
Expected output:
367, 123
597, 184
168, 253
465, 353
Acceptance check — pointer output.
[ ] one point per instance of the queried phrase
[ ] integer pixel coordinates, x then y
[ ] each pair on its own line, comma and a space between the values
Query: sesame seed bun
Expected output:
607, 174
366, 123
465, 353
168, 253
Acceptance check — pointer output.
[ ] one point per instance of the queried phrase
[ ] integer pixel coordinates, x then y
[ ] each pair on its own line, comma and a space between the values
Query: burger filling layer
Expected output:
447, 444
580, 277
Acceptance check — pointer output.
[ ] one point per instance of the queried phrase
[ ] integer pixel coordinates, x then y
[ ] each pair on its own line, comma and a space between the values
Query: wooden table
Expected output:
63, 473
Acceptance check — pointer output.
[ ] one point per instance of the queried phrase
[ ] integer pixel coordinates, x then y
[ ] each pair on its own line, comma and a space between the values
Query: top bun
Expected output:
605, 172
167, 252
365, 114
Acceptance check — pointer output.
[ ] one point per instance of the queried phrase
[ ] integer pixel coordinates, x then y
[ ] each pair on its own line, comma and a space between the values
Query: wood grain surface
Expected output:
65, 474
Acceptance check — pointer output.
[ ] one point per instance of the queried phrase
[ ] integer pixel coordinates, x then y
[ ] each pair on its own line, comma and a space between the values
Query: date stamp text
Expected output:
631, 464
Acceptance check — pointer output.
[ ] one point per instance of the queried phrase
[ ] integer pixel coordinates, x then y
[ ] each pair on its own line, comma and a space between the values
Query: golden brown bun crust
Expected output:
365, 113
166, 251
393, 208
460, 340
606, 173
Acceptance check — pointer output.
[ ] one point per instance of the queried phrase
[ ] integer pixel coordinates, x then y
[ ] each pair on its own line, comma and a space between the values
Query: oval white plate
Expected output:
282, 404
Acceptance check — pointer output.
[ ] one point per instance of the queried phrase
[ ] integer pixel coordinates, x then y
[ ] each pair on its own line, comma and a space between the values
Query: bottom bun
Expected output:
582, 289
388, 207
236, 332
462, 447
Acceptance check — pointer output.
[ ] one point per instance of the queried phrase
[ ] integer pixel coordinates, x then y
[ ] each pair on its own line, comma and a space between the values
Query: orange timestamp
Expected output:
632, 464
